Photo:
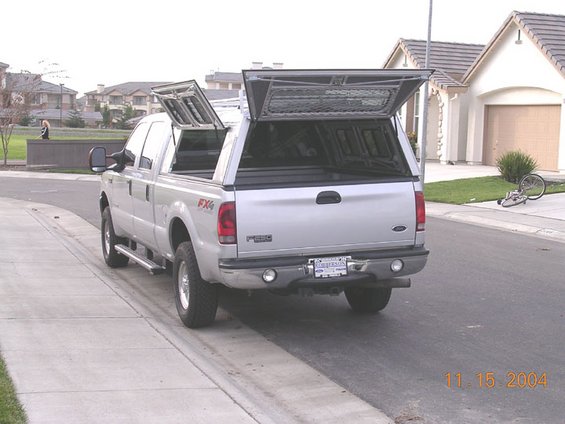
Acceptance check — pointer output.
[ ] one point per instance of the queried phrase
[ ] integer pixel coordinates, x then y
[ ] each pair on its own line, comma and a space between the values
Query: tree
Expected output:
15, 93
75, 120
127, 114
27, 120
106, 117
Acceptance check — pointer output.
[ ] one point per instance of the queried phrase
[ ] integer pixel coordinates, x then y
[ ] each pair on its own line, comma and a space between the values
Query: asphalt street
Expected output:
489, 301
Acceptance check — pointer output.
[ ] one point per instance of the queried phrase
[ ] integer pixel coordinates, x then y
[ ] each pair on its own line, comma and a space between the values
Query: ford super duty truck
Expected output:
305, 184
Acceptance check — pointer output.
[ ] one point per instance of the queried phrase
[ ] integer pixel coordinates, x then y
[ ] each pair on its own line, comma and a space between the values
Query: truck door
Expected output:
122, 206
143, 183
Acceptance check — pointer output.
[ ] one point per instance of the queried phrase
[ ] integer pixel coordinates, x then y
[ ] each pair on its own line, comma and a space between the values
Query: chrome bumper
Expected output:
364, 268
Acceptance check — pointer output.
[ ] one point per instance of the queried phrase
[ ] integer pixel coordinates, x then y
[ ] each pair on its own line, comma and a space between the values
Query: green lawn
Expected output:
11, 411
471, 190
17, 148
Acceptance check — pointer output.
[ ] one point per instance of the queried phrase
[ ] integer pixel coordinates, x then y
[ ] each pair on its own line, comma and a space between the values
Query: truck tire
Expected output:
196, 299
109, 240
366, 300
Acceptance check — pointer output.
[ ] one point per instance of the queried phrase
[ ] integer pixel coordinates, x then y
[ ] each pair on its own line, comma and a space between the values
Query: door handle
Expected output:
129, 187
147, 192
328, 197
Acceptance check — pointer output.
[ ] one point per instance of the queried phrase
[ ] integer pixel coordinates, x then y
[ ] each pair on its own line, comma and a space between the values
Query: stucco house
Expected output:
447, 108
117, 97
508, 97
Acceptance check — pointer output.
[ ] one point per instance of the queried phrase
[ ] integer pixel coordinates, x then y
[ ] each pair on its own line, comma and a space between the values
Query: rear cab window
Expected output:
197, 152
321, 151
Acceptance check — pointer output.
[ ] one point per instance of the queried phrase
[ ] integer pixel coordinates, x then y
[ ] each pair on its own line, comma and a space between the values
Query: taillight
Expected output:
227, 232
420, 212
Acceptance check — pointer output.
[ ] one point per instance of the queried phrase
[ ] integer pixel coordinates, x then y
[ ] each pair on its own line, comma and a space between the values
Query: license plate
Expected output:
330, 267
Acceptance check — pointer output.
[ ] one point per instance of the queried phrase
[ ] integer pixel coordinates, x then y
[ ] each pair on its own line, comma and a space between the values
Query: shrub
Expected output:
515, 164
413, 138
75, 120
26, 120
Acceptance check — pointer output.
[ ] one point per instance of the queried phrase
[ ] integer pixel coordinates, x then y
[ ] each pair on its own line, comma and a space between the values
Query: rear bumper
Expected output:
364, 268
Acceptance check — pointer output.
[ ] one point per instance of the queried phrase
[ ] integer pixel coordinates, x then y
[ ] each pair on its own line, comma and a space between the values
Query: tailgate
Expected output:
324, 220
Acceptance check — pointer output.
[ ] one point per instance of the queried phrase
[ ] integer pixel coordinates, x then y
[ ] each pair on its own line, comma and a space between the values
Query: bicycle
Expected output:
530, 187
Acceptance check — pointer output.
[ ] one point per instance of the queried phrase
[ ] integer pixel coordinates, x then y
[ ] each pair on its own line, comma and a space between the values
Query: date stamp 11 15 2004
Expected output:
490, 380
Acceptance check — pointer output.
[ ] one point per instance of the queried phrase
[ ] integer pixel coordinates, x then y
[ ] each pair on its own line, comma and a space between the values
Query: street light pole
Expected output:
425, 108
61, 107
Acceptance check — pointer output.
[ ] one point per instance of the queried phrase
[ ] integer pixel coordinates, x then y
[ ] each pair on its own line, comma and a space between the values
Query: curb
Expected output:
543, 227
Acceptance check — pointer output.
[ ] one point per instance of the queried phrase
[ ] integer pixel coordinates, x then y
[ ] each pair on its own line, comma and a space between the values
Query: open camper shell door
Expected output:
329, 94
187, 106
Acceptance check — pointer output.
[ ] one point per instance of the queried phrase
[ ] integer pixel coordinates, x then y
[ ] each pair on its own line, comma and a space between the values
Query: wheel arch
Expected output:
178, 233
103, 202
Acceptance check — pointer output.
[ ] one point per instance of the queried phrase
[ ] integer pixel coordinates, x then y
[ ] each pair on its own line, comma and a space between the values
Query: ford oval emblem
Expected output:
399, 228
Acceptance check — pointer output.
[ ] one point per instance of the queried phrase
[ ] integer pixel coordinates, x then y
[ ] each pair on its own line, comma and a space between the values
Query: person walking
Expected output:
45, 129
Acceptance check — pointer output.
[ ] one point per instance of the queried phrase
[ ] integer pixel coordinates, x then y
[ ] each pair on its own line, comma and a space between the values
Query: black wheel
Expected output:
109, 240
533, 186
366, 300
515, 199
195, 298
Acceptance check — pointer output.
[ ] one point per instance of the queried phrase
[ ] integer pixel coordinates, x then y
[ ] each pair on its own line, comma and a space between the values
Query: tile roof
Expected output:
220, 94
33, 82
56, 114
225, 77
450, 60
4, 65
128, 88
49, 87
546, 31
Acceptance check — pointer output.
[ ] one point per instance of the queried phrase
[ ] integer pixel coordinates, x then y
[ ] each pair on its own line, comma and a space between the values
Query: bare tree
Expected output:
16, 94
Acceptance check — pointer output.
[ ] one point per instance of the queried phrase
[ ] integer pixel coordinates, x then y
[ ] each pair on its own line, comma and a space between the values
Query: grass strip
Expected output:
11, 411
473, 190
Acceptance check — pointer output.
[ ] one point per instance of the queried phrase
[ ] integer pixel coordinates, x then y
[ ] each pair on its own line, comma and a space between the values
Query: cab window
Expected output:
135, 143
152, 145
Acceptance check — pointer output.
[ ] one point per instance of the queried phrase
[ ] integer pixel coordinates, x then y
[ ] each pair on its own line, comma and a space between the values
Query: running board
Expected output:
148, 264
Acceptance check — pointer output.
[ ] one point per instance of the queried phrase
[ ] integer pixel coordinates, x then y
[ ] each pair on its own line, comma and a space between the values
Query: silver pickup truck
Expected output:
305, 184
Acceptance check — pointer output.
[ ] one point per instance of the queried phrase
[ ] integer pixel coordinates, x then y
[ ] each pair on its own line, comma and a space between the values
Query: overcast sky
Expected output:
114, 41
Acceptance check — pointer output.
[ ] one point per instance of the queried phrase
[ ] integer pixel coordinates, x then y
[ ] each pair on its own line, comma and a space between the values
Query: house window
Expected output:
139, 100
116, 100
35, 99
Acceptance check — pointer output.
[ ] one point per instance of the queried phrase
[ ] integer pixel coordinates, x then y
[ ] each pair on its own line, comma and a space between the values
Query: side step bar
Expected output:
148, 264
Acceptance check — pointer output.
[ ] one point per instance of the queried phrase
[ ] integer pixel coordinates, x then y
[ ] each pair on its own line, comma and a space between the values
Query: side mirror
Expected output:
97, 159
121, 160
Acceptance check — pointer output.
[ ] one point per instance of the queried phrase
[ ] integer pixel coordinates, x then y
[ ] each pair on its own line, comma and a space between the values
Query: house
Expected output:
224, 81
3, 67
138, 95
41, 99
446, 113
508, 96
217, 80
516, 92
118, 97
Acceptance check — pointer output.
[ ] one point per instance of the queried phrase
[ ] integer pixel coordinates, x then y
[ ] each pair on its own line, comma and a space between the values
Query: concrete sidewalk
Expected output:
87, 344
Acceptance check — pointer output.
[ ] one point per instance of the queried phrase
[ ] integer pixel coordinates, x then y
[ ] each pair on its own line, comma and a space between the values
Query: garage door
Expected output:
531, 129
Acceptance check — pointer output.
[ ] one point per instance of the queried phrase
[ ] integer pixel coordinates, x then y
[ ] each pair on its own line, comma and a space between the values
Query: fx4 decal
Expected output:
206, 204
